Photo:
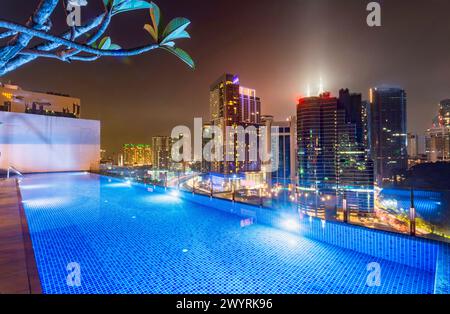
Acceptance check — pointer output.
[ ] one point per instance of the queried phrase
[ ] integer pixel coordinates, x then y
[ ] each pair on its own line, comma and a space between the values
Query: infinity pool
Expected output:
128, 239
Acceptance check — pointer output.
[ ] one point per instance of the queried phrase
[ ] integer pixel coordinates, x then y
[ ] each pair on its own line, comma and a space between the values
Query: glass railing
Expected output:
383, 209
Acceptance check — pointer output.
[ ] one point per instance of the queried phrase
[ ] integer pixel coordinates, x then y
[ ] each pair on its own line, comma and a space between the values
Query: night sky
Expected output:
276, 46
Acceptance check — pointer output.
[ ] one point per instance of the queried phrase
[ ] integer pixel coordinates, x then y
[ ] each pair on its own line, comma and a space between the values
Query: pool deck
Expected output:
18, 271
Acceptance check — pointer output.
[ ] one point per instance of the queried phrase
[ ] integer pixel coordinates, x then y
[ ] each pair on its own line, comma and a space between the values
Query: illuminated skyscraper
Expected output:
234, 106
250, 105
444, 113
137, 155
438, 136
161, 152
438, 144
332, 155
355, 167
282, 139
388, 137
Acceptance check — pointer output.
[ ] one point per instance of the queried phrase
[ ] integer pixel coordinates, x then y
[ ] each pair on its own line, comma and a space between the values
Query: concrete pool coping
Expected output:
18, 270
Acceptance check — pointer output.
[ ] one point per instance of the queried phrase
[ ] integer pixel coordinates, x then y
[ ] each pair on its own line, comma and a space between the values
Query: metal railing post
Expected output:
344, 207
412, 215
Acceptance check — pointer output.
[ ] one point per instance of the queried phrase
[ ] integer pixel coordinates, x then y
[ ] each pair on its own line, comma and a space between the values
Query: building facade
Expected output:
437, 141
38, 143
388, 134
334, 168
282, 140
137, 155
233, 108
250, 105
161, 152
15, 99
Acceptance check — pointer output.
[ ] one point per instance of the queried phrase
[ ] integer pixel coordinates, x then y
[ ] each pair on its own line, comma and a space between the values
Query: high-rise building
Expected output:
161, 152
231, 109
437, 138
332, 155
282, 140
388, 138
355, 168
250, 105
438, 144
15, 99
444, 113
137, 155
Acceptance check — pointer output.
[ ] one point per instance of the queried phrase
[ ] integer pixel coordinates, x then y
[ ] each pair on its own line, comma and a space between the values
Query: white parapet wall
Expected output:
34, 143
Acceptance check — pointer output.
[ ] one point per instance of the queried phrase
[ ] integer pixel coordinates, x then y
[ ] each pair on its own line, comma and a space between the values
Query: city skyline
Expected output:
281, 71
224, 147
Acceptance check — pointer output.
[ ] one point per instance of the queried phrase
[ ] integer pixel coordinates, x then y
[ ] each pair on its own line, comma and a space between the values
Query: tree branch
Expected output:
21, 60
65, 42
7, 34
37, 21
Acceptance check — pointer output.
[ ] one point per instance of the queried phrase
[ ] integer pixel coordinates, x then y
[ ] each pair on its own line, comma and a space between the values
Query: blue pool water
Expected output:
128, 239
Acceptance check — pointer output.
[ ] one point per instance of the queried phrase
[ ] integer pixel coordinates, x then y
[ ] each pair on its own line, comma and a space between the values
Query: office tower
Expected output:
437, 138
317, 139
282, 140
438, 144
444, 113
355, 168
137, 155
388, 137
15, 99
413, 145
231, 110
161, 152
333, 159
250, 105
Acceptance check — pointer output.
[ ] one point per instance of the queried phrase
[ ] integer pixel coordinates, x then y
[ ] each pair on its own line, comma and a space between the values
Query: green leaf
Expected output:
169, 44
105, 43
183, 55
176, 25
178, 35
121, 6
114, 47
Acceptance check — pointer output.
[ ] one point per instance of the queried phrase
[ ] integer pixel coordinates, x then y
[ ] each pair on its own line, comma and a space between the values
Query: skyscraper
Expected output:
438, 144
250, 105
437, 138
317, 138
332, 155
161, 149
231, 109
283, 149
388, 138
354, 165
444, 113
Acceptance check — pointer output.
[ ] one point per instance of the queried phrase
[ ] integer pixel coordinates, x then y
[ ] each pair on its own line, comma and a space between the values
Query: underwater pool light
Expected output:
291, 224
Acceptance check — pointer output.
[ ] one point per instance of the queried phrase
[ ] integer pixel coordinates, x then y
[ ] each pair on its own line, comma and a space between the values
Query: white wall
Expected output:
33, 143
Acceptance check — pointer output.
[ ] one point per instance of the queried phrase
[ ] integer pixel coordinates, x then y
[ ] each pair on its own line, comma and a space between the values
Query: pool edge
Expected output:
34, 282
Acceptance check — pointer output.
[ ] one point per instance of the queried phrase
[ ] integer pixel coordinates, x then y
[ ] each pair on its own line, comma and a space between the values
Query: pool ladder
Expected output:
12, 169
